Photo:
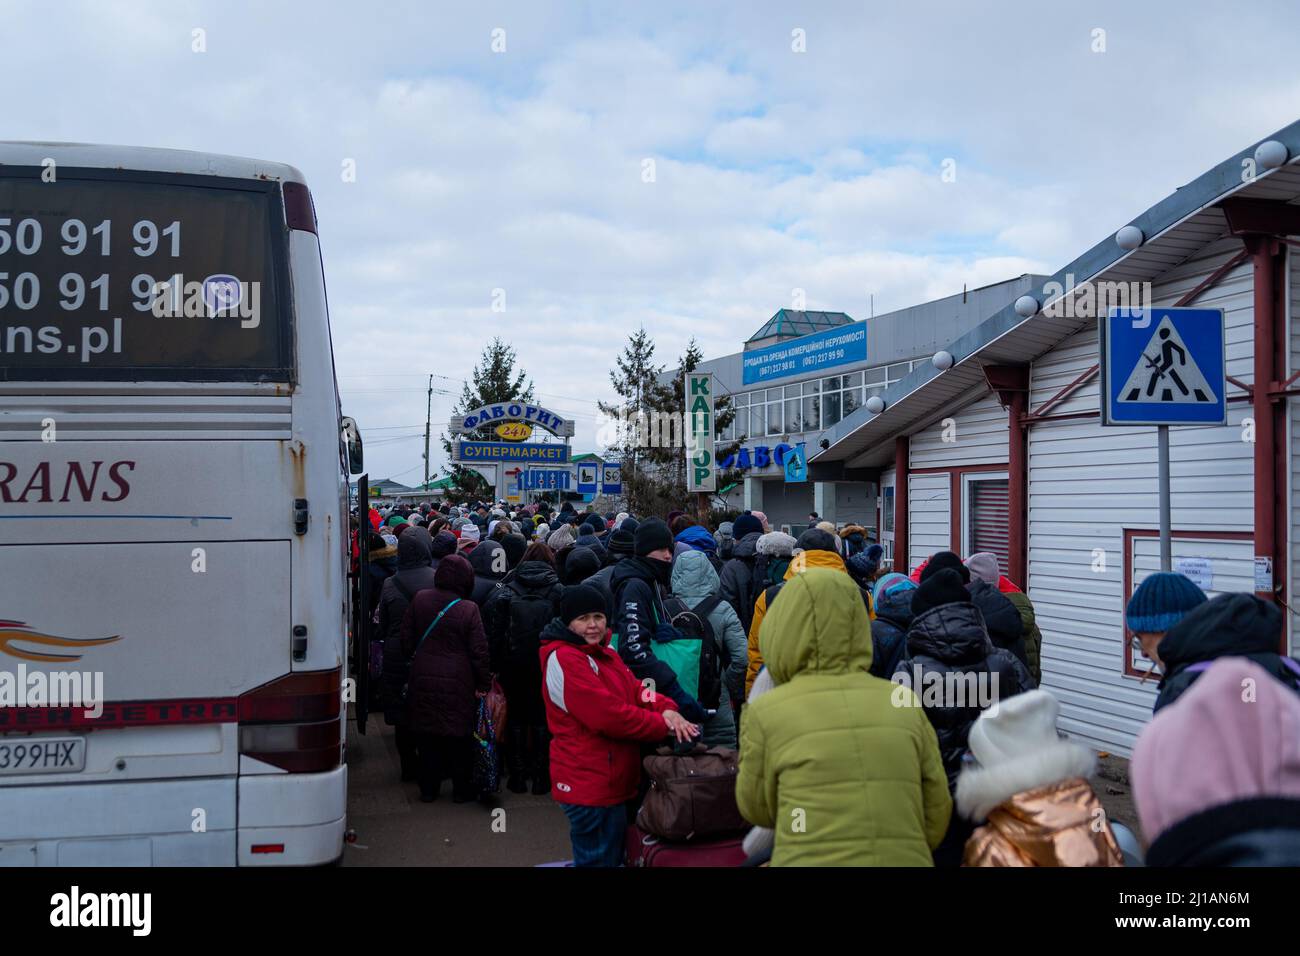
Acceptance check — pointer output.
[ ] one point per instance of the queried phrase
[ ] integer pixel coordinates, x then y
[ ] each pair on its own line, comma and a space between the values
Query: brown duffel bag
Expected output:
692, 795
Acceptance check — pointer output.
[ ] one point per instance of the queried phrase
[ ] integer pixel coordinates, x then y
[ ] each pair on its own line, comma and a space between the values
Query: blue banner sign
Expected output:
489, 451
811, 353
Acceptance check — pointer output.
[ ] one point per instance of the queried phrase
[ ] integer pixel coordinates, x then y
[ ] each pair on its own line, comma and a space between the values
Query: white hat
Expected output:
1018, 749
1015, 727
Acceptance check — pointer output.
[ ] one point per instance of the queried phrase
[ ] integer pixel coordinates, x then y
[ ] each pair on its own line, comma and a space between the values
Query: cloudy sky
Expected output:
774, 169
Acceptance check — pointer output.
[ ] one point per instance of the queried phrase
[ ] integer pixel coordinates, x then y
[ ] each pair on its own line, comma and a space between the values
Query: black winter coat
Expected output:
1231, 625
889, 632
414, 552
601, 582
483, 559
451, 664
951, 639
638, 614
1001, 619
530, 576
736, 578
1263, 831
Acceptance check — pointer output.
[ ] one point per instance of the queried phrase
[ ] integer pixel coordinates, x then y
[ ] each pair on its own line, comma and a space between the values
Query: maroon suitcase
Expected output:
646, 850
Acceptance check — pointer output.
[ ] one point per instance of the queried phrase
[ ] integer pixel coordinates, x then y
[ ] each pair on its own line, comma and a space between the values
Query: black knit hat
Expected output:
651, 535
815, 539
946, 560
944, 586
580, 599
621, 542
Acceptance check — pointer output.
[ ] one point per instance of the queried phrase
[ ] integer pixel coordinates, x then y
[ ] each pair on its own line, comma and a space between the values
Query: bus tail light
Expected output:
294, 722
299, 210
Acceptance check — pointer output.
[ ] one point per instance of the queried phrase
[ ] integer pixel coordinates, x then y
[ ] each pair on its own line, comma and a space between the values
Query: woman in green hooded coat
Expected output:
844, 766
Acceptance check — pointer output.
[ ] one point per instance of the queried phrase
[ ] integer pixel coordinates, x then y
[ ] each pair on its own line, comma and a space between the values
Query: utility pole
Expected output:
428, 416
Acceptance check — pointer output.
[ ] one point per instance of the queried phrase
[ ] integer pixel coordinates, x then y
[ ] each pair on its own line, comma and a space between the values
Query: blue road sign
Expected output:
1163, 366
611, 478
587, 471
546, 479
796, 465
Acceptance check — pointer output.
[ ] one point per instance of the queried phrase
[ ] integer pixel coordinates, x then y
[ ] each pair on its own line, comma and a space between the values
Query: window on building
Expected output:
830, 408
757, 421
852, 399
832, 384
811, 413
812, 387
986, 515
792, 420
852, 379
899, 371
774, 417
875, 376
888, 509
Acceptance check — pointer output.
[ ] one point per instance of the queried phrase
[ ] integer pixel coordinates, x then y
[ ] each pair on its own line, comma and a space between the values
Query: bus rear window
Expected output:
114, 275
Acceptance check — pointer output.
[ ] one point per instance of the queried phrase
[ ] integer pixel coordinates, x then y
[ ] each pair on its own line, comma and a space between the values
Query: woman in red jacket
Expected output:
597, 713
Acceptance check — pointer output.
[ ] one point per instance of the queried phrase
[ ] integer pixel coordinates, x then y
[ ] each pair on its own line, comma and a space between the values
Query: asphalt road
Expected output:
393, 828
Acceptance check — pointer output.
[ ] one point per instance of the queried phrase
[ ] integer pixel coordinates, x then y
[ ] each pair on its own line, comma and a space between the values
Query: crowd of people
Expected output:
882, 716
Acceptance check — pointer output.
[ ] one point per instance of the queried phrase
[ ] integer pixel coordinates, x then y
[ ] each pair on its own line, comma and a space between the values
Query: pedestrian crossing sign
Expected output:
1163, 366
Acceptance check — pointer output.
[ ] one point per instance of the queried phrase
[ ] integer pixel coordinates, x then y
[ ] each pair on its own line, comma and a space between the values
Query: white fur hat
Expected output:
777, 543
1017, 726
1018, 749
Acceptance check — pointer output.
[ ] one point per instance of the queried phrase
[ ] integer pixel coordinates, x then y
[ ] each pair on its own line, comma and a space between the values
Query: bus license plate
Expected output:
43, 755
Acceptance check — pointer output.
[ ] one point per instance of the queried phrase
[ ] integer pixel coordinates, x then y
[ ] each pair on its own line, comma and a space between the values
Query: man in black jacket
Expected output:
1230, 625
639, 616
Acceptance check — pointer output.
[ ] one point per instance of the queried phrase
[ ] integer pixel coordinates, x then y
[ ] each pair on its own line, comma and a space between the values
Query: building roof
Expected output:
790, 324
1174, 229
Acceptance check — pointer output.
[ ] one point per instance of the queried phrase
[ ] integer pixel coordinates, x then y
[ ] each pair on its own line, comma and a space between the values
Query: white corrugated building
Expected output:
1004, 451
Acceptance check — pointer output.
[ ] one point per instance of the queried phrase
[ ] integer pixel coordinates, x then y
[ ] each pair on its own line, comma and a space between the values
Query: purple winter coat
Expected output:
452, 662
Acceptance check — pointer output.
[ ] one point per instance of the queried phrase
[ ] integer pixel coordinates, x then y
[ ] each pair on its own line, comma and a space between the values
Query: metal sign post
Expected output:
1162, 471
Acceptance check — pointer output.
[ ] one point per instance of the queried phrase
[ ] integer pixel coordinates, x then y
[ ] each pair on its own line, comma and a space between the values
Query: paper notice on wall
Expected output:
1200, 571
1263, 574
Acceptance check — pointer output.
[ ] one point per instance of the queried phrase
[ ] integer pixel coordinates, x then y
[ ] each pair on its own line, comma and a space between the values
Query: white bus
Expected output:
174, 537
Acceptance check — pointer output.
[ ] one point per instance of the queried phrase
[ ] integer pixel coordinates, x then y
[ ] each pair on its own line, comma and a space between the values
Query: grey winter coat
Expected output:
693, 581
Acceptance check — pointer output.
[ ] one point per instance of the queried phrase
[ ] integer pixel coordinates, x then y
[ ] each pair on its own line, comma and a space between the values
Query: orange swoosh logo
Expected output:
16, 632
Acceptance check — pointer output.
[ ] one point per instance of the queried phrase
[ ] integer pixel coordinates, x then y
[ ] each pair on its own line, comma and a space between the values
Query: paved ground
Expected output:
394, 828
1112, 786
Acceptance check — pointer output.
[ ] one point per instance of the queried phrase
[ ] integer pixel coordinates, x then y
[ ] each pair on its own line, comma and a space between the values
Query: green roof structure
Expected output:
791, 324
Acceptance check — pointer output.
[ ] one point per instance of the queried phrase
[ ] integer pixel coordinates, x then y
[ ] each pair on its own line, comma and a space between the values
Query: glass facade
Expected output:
809, 406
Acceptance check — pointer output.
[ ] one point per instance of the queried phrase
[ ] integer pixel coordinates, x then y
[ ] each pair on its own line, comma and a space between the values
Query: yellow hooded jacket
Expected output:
802, 561
843, 766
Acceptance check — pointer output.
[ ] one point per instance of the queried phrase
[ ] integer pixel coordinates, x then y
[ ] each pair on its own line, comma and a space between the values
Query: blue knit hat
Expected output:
745, 524
1161, 601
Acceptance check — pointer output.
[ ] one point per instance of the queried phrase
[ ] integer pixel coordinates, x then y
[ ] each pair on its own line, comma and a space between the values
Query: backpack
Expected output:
530, 611
693, 624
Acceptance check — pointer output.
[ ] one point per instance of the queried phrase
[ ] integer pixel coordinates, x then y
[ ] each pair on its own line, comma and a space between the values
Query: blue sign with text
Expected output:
810, 353
1163, 366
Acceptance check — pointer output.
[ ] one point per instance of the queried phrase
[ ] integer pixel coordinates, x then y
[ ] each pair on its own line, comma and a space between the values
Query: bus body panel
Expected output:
189, 554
